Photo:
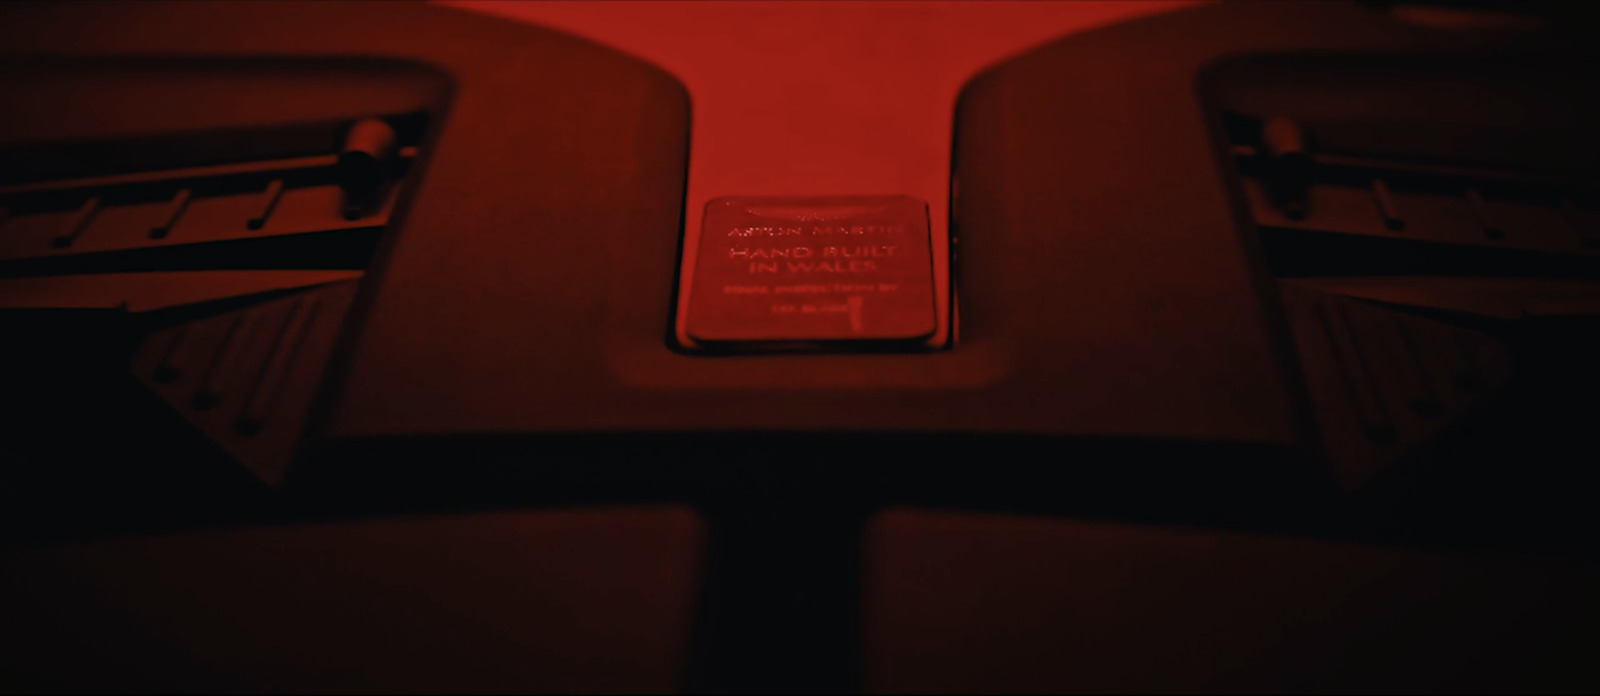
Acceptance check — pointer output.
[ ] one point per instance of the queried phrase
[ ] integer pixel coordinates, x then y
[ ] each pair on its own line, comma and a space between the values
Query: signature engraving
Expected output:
810, 289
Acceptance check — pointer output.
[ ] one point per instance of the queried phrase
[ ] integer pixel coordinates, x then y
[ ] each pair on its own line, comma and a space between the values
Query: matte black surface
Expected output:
959, 603
595, 600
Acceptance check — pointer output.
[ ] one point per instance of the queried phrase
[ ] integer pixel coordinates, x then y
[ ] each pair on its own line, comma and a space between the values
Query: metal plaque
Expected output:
786, 269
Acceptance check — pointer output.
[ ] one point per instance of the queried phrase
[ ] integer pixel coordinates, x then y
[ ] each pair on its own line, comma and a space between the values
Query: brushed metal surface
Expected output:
845, 268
